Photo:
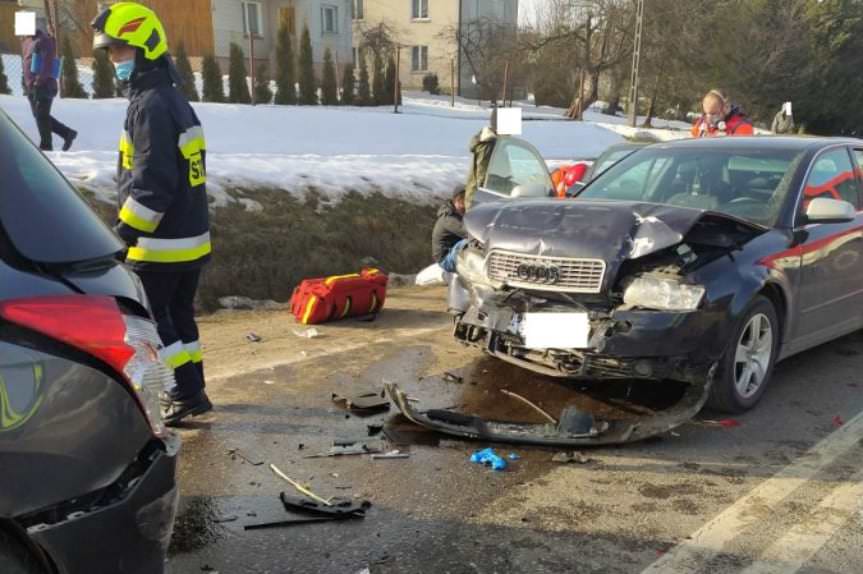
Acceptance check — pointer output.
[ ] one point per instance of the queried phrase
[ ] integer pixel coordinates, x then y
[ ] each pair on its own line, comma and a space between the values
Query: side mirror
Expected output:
530, 190
827, 210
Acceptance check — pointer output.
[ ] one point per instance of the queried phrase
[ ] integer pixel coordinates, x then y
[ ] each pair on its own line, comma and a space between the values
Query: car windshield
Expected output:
44, 218
748, 184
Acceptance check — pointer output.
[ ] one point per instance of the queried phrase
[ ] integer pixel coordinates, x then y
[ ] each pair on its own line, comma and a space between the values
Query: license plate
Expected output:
555, 330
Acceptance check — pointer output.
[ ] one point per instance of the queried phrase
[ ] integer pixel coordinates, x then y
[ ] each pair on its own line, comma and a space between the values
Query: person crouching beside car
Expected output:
720, 118
449, 234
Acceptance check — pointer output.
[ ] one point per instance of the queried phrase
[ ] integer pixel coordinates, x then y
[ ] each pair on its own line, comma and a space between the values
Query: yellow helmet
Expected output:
132, 24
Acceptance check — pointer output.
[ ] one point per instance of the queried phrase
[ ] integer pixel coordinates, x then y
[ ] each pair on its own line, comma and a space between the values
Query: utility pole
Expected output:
397, 89
252, 60
505, 83
452, 81
636, 61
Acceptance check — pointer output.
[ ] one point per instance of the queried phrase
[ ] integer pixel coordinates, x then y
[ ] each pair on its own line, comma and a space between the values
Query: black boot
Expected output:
69, 140
178, 410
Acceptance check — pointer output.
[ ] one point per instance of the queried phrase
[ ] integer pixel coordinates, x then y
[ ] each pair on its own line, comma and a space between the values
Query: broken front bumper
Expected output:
623, 344
561, 433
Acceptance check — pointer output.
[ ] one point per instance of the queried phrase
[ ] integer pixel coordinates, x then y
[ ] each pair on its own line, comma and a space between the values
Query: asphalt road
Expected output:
780, 493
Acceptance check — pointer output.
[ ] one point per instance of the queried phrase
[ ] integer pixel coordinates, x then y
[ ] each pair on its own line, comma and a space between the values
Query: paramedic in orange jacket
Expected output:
720, 118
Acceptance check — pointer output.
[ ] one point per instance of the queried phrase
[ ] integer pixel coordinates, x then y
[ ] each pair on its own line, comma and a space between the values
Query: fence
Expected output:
12, 68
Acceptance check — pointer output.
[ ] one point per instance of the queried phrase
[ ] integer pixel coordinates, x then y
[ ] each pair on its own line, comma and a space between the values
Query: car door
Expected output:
515, 170
831, 285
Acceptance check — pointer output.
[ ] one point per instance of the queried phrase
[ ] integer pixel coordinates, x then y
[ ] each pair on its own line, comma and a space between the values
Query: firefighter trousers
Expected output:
172, 301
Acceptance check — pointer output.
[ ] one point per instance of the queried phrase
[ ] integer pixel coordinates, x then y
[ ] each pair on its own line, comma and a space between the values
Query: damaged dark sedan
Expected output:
700, 261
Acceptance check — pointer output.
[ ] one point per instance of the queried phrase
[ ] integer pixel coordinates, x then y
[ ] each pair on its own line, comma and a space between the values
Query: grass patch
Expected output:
265, 254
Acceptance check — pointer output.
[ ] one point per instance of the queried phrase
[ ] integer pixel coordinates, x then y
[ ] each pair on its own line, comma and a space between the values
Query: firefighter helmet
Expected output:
132, 24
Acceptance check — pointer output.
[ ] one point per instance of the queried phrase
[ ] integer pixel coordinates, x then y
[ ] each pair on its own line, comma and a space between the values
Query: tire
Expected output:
15, 558
746, 367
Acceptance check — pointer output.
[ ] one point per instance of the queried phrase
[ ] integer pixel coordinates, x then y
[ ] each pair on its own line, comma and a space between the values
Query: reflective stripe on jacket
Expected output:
162, 178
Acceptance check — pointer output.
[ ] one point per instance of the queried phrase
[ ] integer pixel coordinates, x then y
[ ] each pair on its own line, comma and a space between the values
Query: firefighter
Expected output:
720, 118
162, 196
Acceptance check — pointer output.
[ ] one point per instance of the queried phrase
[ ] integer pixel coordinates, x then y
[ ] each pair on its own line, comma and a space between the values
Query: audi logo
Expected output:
534, 273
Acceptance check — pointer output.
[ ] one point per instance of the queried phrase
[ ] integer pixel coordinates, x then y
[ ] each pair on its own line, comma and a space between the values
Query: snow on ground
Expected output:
413, 154
419, 154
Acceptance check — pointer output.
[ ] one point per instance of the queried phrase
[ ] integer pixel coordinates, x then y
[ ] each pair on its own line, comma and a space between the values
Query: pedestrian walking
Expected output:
163, 210
41, 70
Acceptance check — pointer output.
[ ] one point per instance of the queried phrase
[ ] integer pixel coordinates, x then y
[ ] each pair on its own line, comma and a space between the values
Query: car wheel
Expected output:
15, 559
745, 369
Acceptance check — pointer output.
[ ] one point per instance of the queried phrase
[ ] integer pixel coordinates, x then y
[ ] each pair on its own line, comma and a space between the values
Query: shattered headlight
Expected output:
470, 265
665, 294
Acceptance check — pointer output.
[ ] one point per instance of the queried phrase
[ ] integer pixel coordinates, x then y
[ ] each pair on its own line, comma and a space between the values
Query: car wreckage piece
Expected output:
569, 431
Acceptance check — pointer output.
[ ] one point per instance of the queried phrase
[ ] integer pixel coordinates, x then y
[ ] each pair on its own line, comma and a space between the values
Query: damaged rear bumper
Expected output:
623, 344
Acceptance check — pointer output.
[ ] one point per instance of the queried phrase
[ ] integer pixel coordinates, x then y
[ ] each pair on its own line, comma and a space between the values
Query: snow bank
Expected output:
414, 154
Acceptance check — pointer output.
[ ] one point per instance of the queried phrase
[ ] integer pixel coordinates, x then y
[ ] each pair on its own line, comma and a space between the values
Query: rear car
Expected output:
88, 469
700, 261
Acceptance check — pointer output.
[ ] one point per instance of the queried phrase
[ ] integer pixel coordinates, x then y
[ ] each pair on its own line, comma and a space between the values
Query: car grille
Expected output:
569, 275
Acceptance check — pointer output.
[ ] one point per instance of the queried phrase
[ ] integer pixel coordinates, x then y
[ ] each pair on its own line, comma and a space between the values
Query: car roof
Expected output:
801, 143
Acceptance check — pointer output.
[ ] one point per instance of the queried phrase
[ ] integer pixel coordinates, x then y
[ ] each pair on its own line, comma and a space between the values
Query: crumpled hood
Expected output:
613, 231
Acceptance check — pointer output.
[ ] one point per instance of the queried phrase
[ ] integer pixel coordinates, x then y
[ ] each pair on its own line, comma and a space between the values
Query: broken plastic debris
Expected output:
575, 457
308, 333
367, 403
513, 456
269, 382
346, 450
393, 454
453, 378
488, 457
237, 453
299, 486
223, 519
724, 423
837, 421
253, 337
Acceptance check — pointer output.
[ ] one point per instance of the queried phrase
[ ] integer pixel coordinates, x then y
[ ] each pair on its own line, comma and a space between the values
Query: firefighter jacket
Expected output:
162, 177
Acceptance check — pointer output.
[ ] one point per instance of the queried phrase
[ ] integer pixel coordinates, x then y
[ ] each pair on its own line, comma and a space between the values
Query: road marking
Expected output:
788, 554
712, 538
315, 355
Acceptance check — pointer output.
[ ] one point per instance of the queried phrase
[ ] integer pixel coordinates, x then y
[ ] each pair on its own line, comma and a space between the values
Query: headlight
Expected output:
663, 294
470, 265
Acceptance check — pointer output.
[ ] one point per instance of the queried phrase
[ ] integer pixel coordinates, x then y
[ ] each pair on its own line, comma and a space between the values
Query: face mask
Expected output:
124, 70
713, 119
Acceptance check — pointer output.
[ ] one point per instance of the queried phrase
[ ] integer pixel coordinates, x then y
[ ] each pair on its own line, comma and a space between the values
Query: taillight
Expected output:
96, 325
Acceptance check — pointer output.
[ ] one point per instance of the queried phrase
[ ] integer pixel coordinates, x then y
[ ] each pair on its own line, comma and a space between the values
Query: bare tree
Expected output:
594, 36
489, 48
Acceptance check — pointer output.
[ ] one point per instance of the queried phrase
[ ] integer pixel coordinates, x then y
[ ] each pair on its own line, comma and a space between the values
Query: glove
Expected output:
126, 233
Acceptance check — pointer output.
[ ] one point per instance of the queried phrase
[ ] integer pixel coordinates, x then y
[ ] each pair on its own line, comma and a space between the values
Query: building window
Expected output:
420, 58
252, 19
359, 12
330, 17
420, 9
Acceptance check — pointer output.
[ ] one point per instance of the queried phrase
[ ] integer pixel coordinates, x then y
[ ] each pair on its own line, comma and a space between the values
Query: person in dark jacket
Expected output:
162, 195
449, 233
40, 86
